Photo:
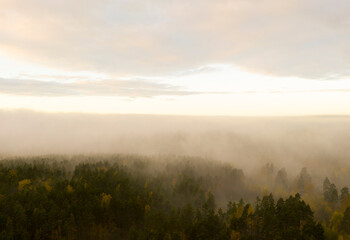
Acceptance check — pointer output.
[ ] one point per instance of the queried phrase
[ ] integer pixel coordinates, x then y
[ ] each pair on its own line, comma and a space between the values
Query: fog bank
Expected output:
320, 143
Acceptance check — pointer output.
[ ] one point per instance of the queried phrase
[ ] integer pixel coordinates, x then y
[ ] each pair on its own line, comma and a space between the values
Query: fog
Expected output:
320, 143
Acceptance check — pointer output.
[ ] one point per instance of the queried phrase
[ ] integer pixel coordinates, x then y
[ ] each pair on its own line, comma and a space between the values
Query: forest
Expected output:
164, 197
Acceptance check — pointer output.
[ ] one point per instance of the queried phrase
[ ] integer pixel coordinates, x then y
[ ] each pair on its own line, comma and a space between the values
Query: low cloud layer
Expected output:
288, 38
319, 143
123, 88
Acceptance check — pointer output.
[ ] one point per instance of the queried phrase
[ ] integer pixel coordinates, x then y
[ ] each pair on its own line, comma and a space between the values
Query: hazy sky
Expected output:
199, 57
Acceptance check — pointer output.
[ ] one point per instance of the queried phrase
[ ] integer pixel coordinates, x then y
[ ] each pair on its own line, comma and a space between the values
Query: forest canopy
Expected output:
169, 197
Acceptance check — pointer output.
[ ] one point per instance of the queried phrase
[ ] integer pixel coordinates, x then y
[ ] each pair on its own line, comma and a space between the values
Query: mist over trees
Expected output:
83, 176
289, 142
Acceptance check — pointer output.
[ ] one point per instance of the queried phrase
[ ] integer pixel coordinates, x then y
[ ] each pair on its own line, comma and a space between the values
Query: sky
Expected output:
200, 57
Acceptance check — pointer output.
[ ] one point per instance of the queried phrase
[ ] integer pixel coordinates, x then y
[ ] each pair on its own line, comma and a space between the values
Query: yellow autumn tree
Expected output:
105, 199
336, 220
23, 184
12, 172
234, 235
47, 185
70, 189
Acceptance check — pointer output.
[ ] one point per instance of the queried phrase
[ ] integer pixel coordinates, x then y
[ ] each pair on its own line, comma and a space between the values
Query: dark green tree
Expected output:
281, 179
345, 225
344, 193
304, 182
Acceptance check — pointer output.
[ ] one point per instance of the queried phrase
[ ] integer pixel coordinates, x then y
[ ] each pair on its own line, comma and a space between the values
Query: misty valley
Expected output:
174, 120
90, 176
165, 197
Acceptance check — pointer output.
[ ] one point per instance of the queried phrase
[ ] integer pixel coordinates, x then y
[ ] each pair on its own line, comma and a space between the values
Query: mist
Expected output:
320, 143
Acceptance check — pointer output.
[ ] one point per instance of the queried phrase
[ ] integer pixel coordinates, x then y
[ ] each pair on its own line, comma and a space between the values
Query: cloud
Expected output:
300, 38
124, 88
310, 91
202, 70
134, 88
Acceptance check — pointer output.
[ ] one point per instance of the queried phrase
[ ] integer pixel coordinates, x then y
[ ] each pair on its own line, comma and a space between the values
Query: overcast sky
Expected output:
199, 57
